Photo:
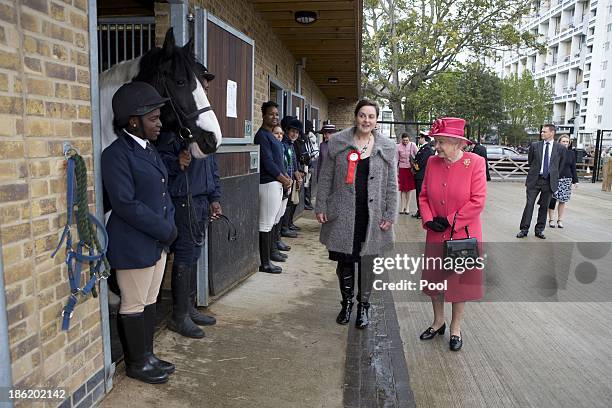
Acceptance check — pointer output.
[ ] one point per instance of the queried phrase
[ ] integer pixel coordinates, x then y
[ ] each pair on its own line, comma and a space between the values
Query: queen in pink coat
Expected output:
454, 190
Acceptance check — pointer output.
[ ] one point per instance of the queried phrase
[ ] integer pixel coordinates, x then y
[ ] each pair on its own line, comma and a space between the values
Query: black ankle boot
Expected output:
150, 316
345, 313
198, 318
275, 254
363, 318
180, 321
137, 363
266, 266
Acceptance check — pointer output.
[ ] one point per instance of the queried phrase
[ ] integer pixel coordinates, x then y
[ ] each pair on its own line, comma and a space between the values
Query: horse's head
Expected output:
171, 70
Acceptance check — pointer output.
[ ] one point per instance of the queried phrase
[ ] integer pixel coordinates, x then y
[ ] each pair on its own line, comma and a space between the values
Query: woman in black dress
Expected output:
357, 205
568, 179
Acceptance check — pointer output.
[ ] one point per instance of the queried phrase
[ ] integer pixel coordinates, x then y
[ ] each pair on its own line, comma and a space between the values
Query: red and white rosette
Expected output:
353, 157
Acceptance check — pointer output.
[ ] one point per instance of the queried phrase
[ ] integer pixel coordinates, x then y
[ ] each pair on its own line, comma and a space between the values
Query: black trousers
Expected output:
542, 189
419, 186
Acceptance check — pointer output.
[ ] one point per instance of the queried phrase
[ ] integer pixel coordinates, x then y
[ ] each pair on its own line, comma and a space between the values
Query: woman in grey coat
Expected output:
357, 205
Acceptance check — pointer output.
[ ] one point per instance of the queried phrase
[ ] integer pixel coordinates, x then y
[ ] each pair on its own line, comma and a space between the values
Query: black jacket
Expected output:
420, 160
569, 166
556, 162
482, 152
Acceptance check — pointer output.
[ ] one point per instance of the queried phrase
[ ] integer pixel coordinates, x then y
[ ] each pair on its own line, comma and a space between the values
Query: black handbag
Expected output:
461, 248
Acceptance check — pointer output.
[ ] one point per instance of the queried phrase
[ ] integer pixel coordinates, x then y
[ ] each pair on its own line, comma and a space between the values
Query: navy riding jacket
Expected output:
142, 218
272, 156
203, 174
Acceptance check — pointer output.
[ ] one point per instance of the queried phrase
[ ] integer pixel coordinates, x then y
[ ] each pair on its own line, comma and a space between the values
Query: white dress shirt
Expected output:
550, 148
141, 142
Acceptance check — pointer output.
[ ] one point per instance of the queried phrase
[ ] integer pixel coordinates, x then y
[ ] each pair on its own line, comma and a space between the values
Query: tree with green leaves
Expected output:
407, 43
471, 92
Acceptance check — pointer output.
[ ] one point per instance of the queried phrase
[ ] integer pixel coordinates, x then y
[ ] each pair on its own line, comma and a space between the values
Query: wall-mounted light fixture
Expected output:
305, 16
341, 98
333, 80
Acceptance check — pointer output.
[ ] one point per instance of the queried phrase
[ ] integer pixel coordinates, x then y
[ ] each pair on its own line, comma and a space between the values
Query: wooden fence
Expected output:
506, 169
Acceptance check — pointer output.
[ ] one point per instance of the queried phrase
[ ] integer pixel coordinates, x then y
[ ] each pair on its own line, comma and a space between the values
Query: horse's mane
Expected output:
110, 81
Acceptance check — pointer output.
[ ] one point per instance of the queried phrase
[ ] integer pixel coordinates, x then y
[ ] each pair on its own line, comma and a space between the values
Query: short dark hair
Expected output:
267, 105
550, 127
366, 102
405, 136
426, 137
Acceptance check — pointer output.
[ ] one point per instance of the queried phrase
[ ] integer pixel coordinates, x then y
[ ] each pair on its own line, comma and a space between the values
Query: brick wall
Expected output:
44, 101
342, 114
271, 56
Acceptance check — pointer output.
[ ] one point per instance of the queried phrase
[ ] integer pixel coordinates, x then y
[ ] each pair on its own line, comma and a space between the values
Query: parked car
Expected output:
496, 152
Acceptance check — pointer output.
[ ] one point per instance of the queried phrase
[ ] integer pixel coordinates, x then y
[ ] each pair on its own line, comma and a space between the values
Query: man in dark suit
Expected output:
420, 163
481, 150
545, 161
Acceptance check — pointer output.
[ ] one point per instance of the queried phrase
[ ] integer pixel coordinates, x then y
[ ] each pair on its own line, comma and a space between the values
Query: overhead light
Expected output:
341, 98
305, 17
332, 80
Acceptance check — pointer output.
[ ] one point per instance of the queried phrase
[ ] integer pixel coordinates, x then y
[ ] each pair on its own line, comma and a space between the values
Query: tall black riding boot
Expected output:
286, 221
180, 321
265, 239
275, 254
292, 226
149, 316
277, 238
137, 364
198, 318
346, 279
366, 277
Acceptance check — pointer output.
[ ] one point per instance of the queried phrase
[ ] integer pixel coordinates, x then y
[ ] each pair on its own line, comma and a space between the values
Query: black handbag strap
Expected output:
453, 228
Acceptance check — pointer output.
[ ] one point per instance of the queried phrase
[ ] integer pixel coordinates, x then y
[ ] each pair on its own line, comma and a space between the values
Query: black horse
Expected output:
170, 69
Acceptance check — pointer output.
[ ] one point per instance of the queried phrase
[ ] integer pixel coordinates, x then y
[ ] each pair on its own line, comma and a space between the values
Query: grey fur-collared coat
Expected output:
336, 198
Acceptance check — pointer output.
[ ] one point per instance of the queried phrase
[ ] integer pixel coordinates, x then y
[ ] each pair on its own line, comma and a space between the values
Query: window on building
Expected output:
604, 65
601, 101
609, 27
607, 45
598, 119
603, 83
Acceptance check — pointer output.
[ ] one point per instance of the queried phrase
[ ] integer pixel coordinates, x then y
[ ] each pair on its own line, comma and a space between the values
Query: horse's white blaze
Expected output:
110, 81
207, 120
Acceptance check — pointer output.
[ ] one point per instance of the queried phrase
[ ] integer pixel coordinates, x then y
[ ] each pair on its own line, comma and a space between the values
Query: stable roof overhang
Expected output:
331, 45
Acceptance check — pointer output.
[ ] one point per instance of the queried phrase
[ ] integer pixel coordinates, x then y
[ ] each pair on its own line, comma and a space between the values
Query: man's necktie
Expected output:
546, 160
151, 152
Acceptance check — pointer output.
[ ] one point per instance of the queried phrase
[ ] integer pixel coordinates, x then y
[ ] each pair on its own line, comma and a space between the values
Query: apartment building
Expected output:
577, 62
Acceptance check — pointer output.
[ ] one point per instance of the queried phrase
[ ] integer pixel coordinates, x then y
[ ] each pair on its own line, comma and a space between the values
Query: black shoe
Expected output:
287, 233
455, 343
308, 207
198, 318
540, 235
363, 319
430, 333
521, 234
150, 317
282, 246
345, 313
137, 362
180, 321
416, 215
294, 227
276, 255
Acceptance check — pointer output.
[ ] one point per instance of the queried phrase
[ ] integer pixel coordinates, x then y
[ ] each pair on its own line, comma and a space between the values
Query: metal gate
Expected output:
123, 38
603, 146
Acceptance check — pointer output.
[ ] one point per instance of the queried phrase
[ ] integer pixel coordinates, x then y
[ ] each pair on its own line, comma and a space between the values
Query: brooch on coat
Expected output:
467, 162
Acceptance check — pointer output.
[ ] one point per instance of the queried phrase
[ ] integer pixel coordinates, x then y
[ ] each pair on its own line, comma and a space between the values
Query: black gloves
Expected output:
439, 224
442, 221
172, 237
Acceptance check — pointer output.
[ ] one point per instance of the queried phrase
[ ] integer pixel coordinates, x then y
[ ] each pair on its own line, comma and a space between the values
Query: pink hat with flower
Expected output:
449, 127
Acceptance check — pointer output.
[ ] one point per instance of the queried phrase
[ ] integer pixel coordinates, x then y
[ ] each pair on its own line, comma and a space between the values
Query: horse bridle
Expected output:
184, 132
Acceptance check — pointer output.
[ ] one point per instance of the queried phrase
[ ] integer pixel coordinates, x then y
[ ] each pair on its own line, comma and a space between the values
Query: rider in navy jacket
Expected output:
142, 211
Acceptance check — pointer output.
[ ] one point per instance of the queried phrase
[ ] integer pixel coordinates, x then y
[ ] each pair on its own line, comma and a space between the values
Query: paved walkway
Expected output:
277, 344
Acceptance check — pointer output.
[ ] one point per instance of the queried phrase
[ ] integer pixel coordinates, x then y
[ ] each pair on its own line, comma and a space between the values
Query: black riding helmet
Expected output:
135, 99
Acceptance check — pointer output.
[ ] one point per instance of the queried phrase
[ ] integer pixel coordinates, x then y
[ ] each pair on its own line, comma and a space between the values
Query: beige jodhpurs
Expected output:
140, 287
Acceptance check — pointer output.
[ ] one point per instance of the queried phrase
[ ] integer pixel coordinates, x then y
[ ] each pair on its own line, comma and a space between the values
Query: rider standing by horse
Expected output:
141, 225
195, 191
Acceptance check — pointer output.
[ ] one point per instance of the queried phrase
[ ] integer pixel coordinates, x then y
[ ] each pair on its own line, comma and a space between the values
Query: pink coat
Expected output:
459, 188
